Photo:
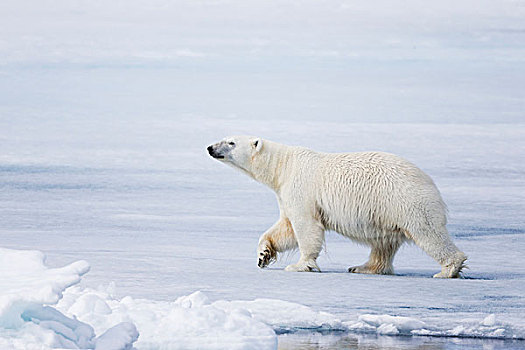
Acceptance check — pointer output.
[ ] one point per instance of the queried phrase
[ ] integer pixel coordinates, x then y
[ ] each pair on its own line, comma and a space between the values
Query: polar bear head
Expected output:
237, 151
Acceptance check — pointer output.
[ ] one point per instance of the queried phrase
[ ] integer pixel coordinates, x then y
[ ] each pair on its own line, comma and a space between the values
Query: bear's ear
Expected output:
257, 144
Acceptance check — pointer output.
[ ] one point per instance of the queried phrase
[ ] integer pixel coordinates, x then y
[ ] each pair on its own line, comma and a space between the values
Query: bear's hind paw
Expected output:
454, 269
308, 266
367, 269
358, 269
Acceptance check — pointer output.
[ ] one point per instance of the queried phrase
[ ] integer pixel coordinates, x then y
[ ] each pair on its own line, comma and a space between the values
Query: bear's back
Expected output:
374, 189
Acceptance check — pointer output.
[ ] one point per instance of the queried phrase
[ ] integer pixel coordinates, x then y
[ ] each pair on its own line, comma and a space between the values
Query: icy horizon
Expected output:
445, 62
140, 32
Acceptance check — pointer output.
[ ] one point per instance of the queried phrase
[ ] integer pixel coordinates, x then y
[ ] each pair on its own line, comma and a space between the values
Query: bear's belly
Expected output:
361, 229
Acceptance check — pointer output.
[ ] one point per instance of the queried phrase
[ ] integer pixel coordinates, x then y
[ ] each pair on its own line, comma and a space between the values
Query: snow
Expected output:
25, 281
68, 333
119, 337
387, 324
284, 316
185, 323
106, 109
26, 321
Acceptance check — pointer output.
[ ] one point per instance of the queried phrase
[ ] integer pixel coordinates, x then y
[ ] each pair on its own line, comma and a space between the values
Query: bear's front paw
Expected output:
265, 256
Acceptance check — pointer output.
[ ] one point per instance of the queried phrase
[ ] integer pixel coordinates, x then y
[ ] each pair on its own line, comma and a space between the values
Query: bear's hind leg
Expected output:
278, 238
438, 245
380, 259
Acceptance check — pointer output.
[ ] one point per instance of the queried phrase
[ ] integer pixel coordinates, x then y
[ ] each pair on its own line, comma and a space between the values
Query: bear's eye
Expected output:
231, 143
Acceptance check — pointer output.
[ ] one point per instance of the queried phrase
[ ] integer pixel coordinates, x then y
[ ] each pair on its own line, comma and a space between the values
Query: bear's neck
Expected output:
269, 166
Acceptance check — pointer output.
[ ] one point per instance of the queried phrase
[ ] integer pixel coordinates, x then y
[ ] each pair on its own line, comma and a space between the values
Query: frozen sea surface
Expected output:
168, 221
106, 112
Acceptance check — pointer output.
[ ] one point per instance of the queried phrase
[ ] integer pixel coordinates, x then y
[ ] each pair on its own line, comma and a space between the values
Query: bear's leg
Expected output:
310, 239
278, 238
380, 259
438, 245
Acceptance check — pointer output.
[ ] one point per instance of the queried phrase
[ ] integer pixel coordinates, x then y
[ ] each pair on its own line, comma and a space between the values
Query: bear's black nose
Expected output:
214, 153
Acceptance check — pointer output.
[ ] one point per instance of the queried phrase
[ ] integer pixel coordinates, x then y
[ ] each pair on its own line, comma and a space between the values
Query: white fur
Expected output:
374, 198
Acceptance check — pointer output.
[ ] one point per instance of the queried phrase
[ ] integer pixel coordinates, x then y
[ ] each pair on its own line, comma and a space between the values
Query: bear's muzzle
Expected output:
214, 153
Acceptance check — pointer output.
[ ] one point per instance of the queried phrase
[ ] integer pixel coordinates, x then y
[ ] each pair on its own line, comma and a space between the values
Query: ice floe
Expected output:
44, 308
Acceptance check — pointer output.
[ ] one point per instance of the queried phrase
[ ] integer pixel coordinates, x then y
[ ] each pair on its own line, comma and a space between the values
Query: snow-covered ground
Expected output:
106, 109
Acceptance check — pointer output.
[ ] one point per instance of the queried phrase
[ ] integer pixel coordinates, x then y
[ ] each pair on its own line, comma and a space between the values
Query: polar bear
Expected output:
373, 198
